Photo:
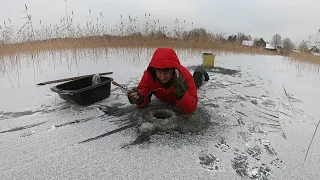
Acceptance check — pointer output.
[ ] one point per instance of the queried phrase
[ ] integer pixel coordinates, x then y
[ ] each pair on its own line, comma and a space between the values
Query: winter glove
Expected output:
180, 87
133, 100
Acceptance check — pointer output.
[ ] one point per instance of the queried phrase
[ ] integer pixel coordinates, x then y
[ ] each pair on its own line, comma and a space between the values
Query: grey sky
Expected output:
291, 18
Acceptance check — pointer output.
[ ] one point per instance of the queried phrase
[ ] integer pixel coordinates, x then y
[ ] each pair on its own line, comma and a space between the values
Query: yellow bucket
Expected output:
208, 59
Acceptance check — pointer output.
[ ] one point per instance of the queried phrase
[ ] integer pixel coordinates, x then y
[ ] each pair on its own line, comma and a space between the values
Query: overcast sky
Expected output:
296, 19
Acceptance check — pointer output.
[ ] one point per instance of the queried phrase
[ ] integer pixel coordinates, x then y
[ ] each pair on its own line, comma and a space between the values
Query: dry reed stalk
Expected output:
305, 57
311, 140
288, 100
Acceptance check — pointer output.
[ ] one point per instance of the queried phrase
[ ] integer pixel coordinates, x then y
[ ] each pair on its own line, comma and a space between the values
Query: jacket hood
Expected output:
164, 58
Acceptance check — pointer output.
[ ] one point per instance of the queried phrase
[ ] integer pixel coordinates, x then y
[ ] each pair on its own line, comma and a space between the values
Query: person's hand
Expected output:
180, 85
134, 96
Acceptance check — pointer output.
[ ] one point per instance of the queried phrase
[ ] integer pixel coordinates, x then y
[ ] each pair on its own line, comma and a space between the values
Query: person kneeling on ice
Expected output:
169, 81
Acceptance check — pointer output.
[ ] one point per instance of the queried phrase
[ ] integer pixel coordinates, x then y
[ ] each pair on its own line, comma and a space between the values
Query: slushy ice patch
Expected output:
151, 120
169, 119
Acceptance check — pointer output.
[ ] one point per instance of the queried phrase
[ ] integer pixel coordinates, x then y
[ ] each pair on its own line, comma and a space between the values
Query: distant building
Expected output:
273, 47
270, 47
260, 43
247, 43
313, 49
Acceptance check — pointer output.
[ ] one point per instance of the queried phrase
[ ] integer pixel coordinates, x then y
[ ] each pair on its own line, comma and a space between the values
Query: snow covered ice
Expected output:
245, 125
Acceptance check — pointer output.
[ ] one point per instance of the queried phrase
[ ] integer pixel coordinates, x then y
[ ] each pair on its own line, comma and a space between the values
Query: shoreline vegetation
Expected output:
132, 32
97, 42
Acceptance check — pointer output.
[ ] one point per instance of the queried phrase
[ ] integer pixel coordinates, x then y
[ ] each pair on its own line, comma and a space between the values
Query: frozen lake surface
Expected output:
255, 120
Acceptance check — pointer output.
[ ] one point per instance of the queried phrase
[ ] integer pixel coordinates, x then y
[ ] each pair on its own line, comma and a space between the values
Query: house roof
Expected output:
270, 46
313, 47
247, 43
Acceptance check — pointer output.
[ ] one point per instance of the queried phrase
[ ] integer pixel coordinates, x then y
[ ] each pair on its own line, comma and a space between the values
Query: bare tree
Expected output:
198, 33
288, 44
242, 37
276, 40
303, 46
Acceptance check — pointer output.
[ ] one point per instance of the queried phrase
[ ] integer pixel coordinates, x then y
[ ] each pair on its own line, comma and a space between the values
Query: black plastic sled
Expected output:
83, 91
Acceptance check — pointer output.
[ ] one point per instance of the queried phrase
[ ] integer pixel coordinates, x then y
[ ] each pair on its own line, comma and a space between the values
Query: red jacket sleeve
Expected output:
144, 88
189, 101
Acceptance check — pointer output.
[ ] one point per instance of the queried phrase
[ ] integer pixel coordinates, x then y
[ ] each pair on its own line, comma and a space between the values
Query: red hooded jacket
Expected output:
167, 58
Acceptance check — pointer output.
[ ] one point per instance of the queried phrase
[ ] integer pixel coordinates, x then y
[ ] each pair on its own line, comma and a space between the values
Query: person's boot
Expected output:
198, 75
200, 70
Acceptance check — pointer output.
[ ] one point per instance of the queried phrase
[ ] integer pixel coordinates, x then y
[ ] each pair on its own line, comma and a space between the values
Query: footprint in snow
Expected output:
210, 162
